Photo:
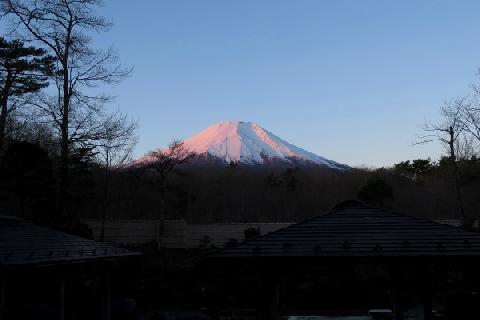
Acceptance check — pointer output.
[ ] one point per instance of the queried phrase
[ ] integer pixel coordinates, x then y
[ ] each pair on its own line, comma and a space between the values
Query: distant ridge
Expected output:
247, 143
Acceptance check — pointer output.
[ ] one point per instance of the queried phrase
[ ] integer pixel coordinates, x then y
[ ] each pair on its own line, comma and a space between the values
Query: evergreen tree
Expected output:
376, 192
23, 70
26, 179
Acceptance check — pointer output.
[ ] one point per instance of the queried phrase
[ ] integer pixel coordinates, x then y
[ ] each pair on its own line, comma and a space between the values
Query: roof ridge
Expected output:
331, 233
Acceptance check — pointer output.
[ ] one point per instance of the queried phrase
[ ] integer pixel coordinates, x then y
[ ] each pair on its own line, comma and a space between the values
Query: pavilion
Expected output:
29, 252
355, 232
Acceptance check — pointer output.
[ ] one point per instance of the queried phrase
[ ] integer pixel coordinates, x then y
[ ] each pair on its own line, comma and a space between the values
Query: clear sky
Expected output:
349, 80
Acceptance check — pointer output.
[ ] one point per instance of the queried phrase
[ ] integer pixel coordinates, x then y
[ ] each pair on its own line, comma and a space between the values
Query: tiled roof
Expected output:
23, 244
353, 229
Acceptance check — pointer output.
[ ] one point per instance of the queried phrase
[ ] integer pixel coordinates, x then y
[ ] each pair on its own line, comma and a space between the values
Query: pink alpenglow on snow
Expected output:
248, 143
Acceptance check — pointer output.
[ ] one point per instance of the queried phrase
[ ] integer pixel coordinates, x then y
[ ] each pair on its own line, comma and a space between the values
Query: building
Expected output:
350, 234
39, 267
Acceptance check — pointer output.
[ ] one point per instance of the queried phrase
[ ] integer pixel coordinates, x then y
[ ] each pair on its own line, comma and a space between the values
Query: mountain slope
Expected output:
248, 143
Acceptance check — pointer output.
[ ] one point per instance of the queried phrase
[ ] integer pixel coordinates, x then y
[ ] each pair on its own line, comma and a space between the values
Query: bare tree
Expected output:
63, 27
23, 125
164, 162
450, 133
466, 147
471, 116
114, 149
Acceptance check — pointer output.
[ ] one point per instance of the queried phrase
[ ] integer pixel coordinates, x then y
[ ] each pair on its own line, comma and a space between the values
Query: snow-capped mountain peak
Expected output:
249, 143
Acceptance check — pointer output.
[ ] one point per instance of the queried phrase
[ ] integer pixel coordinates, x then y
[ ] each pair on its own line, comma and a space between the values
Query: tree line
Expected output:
421, 187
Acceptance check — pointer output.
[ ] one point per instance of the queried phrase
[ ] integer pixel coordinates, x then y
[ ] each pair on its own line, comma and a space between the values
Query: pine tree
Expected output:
23, 70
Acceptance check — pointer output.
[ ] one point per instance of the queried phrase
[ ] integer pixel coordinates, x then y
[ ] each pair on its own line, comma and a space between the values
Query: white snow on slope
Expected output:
248, 143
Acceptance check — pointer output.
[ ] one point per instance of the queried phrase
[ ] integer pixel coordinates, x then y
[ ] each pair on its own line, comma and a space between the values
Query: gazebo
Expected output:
355, 232
27, 249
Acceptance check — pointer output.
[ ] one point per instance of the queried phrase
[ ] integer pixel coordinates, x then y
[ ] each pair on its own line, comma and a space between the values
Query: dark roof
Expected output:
353, 229
26, 244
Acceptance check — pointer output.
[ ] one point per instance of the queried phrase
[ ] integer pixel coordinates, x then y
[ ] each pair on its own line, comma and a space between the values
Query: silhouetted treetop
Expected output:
23, 70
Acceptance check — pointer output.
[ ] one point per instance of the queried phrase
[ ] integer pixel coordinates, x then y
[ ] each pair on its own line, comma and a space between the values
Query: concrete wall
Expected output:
177, 233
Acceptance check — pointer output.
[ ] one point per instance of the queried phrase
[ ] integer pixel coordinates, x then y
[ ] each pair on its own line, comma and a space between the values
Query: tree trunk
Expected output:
106, 199
3, 112
63, 186
3, 120
456, 173
161, 216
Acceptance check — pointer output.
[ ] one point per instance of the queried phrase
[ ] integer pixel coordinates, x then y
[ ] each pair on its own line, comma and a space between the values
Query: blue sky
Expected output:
349, 80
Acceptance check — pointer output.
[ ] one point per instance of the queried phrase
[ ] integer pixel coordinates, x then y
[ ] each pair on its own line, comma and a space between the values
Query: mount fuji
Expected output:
249, 144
